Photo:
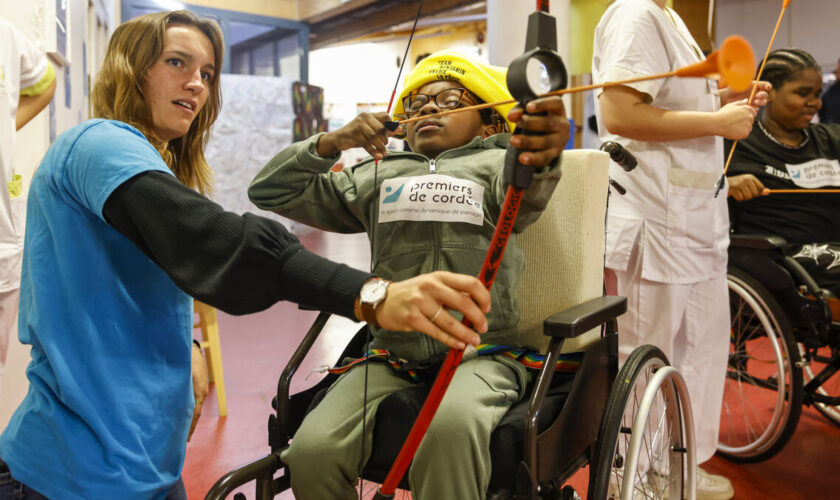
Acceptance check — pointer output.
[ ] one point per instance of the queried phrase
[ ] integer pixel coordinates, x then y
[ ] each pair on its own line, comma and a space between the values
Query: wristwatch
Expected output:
372, 294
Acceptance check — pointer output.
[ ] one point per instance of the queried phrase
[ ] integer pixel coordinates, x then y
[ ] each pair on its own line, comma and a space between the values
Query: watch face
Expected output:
373, 292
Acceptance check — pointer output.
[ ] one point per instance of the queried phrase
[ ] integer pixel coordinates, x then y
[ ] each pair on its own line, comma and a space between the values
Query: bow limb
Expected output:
785, 4
518, 177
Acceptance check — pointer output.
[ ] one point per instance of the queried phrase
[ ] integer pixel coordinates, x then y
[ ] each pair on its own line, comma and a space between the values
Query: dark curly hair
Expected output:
784, 65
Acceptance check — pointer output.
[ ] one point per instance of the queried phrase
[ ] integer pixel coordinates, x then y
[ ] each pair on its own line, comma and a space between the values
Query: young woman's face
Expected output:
436, 134
178, 83
794, 104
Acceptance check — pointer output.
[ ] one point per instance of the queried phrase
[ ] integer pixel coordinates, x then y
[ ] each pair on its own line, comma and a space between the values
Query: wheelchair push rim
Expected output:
665, 387
763, 389
659, 430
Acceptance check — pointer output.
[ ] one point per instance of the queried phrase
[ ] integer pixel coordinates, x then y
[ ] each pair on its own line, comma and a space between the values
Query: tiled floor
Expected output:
256, 347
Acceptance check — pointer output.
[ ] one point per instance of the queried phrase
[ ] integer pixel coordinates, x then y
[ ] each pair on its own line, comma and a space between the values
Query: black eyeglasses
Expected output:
445, 99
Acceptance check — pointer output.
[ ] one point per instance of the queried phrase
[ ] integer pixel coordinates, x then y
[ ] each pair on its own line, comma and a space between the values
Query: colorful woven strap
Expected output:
376, 355
567, 363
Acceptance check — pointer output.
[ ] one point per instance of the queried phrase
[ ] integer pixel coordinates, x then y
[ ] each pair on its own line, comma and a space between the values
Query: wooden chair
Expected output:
208, 324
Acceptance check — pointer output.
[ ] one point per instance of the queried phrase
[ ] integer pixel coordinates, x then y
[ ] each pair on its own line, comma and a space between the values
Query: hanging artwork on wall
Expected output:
308, 105
255, 123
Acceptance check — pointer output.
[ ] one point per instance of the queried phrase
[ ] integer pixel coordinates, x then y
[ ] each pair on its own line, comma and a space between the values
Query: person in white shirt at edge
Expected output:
667, 237
27, 84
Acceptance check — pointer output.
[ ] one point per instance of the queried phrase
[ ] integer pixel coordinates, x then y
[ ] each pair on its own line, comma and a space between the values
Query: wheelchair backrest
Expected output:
564, 249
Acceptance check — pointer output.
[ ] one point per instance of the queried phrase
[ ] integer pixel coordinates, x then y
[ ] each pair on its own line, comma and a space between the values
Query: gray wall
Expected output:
811, 25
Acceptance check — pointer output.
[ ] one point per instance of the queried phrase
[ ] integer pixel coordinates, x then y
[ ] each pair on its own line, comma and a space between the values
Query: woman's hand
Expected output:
746, 187
365, 131
553, 126
422, 304
727, 95
201, 385
735, 120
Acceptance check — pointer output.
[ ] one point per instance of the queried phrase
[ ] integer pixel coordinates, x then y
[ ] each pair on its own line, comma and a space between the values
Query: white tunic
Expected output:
22, 65
670, 195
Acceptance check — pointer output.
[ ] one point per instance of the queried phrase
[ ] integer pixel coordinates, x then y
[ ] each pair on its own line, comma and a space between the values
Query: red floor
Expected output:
255, 348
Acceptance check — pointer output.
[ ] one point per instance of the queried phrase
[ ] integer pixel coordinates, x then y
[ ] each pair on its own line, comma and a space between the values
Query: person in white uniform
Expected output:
27, 83
667, 236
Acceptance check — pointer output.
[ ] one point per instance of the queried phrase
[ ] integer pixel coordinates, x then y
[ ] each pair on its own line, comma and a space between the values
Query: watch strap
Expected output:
368, 313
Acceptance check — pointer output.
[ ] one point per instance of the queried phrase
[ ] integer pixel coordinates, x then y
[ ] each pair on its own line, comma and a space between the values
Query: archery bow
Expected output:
540, 45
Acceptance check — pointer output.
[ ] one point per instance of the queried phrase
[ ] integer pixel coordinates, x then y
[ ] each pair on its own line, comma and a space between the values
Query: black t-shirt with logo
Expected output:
799, 218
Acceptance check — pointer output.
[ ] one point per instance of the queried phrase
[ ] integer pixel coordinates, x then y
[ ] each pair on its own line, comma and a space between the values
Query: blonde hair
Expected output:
118, 93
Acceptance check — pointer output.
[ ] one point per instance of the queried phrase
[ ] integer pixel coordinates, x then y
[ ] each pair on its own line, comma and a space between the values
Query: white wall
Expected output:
507, 23
810, 25
358, 73
507, 26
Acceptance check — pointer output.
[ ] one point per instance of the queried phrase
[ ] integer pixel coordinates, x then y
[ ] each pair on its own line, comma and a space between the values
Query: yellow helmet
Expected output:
485, 81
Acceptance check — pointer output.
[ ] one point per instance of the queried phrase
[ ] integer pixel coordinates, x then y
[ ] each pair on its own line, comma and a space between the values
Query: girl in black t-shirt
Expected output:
786, 151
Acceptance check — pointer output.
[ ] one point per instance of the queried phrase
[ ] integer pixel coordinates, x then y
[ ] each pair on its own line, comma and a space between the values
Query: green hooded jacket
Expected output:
298, 184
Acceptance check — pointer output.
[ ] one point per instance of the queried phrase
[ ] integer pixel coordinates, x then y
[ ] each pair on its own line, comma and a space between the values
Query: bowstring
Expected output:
375, 218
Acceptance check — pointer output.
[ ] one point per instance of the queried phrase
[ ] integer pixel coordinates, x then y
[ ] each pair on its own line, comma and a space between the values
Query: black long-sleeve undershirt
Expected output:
237, 263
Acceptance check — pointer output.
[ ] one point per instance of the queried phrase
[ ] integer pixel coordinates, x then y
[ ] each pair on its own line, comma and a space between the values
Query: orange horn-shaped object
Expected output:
734, 62
737, 63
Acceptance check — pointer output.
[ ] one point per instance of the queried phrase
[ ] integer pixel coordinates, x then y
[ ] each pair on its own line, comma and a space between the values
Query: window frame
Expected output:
225, 17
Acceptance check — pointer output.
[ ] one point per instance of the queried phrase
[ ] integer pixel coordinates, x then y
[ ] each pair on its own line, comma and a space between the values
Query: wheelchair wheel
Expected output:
659, 470
762, 397
831, 387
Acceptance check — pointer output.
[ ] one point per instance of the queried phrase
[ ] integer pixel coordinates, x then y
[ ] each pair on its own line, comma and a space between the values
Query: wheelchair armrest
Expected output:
261, 470
584, 317
756, 241
281, 401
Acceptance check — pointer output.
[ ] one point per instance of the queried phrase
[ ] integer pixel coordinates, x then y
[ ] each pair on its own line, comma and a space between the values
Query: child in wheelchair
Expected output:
786, 151
433, 208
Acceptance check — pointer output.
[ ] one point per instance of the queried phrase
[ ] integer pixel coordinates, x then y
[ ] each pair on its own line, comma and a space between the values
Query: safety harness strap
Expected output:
532, 359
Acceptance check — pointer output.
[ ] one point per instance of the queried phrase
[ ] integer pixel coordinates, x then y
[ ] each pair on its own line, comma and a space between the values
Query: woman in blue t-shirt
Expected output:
785, 150
119, 238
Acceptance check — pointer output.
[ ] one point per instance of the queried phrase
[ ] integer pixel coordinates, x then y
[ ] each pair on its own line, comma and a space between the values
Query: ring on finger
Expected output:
437, 313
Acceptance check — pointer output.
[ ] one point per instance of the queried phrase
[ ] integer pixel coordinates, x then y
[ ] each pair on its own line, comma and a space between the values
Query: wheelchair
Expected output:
784, 350
633, 427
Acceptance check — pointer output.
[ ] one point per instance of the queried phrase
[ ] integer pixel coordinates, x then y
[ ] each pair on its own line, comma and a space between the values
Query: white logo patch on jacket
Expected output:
431, 197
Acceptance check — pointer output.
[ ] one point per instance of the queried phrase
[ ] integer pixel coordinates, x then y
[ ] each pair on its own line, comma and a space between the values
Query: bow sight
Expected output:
538, 71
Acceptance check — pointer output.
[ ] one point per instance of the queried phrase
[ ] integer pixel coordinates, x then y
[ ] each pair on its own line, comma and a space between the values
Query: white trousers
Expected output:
8, 325
690, 324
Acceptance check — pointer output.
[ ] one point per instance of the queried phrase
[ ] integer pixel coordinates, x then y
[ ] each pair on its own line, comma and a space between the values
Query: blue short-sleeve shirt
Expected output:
110, 396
